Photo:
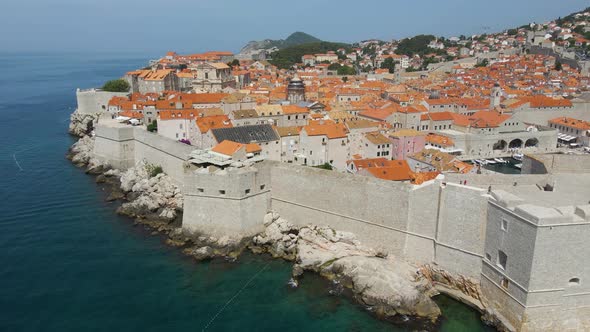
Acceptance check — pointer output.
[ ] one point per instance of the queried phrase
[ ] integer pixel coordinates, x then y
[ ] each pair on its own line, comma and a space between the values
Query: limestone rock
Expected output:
82, 124
168, 214
387, 285
201, 253
82, 151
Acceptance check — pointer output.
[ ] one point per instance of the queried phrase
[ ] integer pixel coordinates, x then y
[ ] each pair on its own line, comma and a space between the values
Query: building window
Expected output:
504, 225
488, 256
247, 191
201, 190
263, 186
574, 282
504, 282
502, 259
222, 192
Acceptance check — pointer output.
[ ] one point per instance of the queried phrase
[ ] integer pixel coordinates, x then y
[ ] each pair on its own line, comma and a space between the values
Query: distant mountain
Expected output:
296, 38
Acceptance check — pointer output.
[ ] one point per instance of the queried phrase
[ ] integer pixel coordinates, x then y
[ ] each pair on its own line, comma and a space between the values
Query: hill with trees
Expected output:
296, 38
415, 45
287, 57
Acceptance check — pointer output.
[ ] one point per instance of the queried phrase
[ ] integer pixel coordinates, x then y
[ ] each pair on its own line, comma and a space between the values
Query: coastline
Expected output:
203, 247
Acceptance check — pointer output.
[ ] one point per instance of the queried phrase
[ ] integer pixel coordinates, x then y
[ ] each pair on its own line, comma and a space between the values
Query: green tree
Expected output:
415, 45
512, 32
285, 58
558, 65
346, 70
234, 63
388, 64
345, 79
153, 127
334, 66
483, 63
119, 85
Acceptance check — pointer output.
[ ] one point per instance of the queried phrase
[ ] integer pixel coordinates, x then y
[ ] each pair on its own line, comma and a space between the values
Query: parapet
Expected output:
230, 183
506, 199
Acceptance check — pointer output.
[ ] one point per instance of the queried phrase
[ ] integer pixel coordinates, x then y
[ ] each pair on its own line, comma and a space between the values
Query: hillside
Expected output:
287, 57
296, 38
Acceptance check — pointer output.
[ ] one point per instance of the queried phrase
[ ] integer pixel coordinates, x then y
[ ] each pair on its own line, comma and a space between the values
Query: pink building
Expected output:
406, 142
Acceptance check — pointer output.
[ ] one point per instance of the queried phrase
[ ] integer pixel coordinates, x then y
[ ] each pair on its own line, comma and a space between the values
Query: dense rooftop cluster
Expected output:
366, 102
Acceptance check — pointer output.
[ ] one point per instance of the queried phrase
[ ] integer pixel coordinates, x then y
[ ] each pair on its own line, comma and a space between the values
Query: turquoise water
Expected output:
69, 263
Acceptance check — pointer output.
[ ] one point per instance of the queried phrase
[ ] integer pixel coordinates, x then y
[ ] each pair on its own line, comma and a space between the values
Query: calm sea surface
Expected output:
69, 263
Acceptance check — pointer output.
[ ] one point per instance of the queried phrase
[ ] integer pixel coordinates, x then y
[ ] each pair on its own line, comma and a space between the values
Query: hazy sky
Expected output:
154, 26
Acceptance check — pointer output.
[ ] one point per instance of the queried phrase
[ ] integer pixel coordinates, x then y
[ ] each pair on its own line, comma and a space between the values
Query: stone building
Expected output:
296, 90
213, 77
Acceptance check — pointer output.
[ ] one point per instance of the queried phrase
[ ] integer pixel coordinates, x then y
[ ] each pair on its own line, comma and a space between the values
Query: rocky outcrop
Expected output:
151, 196
82, 124
202, 247
82, 155
82, 151
152, 199
460, 283
388, 286
465, 290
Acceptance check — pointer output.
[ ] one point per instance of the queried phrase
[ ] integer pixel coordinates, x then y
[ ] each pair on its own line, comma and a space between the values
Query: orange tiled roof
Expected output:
213, 122
439, 140
328, 128
227, 147
294, 109
571, 122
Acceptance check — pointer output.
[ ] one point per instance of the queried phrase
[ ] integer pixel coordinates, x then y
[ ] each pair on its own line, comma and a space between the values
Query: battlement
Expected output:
521, 236
226, 202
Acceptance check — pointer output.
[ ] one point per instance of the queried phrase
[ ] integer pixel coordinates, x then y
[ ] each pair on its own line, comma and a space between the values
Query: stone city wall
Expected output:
421, 223
555, 163
122, 146
93, 101
579, 111
439, 221
230, 203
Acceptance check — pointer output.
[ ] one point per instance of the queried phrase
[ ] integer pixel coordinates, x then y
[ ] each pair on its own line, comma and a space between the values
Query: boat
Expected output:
519, 166
479, 162
518, 156
491, 161
501, 160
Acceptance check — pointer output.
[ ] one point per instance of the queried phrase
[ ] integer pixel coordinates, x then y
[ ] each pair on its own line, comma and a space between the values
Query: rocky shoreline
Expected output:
388, 287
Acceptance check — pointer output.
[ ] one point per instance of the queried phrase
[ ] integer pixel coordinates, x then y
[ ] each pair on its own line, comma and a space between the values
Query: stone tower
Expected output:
296, 90
496, 96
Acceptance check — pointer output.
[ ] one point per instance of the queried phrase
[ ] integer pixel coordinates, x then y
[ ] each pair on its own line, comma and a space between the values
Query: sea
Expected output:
69, 263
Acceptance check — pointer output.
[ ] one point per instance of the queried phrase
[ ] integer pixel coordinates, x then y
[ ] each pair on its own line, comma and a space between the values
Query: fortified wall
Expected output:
523, 242
92, 101
422, 223
555, 163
